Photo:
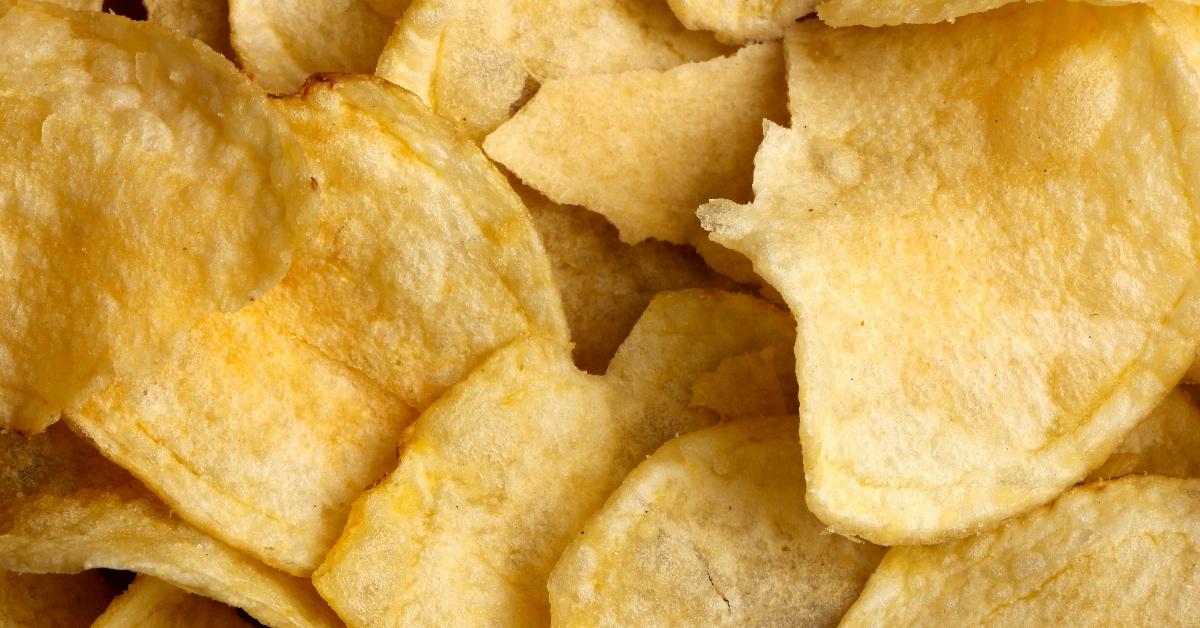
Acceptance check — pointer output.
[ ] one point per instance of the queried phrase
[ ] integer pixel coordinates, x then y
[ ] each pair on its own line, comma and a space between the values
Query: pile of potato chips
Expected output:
599, 313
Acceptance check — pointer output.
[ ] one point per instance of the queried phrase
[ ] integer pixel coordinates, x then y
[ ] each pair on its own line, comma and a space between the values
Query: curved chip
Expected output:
1106, 554
424, 260
52, 600
282, 42
996, 261
152, 603
893, 12
64, 509
645, 148
497, 475
741, 21
206, 20
711, 530
144, 183
1167, 442
475, 63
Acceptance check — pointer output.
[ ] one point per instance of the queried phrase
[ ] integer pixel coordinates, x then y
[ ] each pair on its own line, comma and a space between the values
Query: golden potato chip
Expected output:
746, 385
282, 42
1119, 553
475, 63
1167, 442
152, 603
424, 260
206, 20
892, 12
645, 148
741, 21
711, 530
145, 184
52, 600
392, 9
300, 437
499, 473
995, 261
64, 509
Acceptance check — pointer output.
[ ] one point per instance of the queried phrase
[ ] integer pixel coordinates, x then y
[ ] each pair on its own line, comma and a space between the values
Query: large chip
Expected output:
424, 260
52, 600
64, 509
645, 148
282, 42
498, 475
1165, 443
711, 530
1120, 553
994, 259
253, 436
206, 20
152, 603
741, 21
144, 183
476, 62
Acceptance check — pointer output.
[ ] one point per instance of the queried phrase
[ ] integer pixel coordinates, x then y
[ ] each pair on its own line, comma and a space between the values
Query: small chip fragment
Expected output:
152, 603
206, 20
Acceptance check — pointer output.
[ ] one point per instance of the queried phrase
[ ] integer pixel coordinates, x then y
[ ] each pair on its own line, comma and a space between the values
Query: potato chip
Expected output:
746, 385
1165, 443
152, 603
645, 148
711, 530
424, 260
606, 284
282, 42
300, 437
995, 258
741, 21
477, 62
499, 473
146, 183
1119, 553
64, 509
206, 20
392, 9
52, 600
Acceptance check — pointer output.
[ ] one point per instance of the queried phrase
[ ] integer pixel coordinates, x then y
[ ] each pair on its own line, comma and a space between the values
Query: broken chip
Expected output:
996, 259
711, 530
152, 603
1167, 442
206, 20
145, 184
52, 600
741, 21
1106, 554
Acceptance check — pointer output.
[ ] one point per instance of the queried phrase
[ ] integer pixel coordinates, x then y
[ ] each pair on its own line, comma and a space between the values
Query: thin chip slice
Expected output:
741, 21
282, 42
424, 260
52, 600
300, 437
144, 183
996, 260
475, 63
152, 603
711, 530
64, 509
1119, 553
645, 148
498, 475
1165, 443
206, 20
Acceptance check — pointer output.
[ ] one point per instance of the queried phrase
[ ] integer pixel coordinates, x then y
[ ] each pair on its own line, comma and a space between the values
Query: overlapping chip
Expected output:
711, 530
152, 603
206, 20
1107, 554
64, 509
144, 183
741, 21
52, 600
497, 476
475, 63
1167, 442
994, 262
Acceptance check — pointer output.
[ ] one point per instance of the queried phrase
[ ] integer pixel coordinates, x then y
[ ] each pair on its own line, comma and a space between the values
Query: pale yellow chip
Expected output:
475, 63
206, 20
1167, 442
152, 603
144, 183
281, 42
711, 530
993, 260
1119, 553
253, 436
424, 260
741, 21
893, 12
498, 475
64, 509
52, 600
645, 148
